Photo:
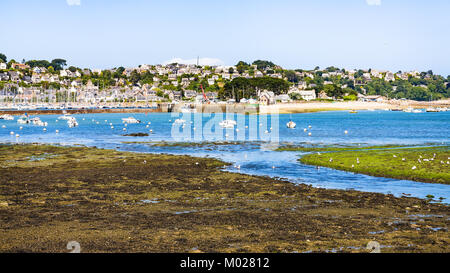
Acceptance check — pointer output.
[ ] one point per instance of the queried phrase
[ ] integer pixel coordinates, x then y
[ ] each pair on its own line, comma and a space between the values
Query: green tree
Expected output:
242, 67
291, 76
262, 64
58, 64
3, 58
333, 90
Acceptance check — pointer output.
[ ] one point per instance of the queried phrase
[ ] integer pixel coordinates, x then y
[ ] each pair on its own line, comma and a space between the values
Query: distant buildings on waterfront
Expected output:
181, 82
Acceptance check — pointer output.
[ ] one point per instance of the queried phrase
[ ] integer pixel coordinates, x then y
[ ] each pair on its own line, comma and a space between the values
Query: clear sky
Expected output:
379, 34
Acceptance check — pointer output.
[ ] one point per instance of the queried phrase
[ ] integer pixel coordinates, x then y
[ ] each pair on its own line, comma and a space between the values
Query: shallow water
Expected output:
252, 155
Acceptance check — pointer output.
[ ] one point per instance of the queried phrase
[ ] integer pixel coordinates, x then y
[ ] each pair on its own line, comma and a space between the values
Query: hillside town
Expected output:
262, 82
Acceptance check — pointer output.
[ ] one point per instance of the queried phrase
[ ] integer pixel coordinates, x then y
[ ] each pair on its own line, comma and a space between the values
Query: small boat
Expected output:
130, 120
353, 111
6, 117
291, 124
72, 122
228, 123
65, 117
417, 111
37, 121
23, 120
396, 109
179, 121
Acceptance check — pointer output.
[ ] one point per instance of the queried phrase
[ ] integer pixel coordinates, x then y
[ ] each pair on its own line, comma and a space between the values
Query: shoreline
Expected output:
108, 202
281, 108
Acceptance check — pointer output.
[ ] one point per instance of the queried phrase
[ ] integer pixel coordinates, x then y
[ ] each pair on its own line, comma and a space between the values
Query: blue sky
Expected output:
380, 34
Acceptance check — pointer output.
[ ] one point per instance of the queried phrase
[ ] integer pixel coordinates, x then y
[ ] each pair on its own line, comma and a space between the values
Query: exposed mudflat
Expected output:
111, 201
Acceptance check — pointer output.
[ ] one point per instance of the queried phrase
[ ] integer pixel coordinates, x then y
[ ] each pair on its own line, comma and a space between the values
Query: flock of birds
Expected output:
420, 160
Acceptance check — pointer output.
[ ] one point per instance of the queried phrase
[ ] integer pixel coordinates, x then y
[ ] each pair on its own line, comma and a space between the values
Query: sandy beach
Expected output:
305, 107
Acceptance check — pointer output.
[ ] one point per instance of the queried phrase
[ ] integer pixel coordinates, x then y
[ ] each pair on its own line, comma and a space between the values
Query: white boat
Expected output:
6, 117
37, 121
417, 111
65, 117
23, 121
291, 124
179, 121
228, 123
130, 120
72, 122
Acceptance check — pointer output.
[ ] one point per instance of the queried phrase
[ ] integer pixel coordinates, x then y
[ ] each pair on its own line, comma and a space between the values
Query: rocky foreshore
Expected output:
110, 201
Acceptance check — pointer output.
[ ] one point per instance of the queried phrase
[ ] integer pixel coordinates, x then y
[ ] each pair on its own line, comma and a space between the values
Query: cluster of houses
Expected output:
173, 75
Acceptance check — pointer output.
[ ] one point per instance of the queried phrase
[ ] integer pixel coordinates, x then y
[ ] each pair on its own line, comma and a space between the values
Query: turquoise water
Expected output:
253, 152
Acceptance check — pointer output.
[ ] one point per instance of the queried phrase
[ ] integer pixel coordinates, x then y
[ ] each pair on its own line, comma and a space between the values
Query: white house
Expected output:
267, 97
308, 94
3, 66
283, 98
389, 76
